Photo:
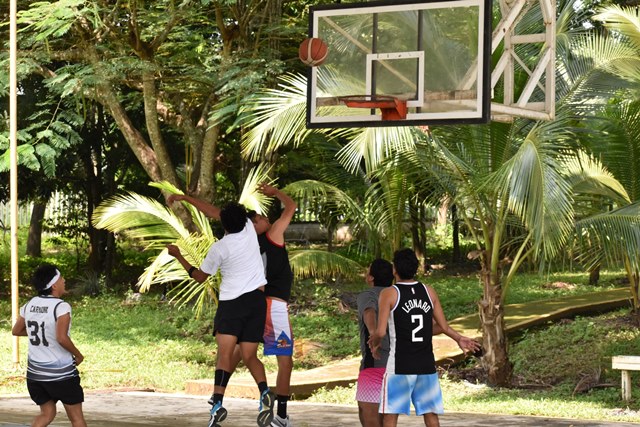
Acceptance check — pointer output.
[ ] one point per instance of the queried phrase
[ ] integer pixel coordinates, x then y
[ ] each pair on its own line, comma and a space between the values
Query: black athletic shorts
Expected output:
243, 317
68, 391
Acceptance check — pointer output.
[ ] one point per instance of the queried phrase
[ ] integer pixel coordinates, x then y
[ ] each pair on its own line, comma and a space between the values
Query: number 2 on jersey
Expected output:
416, 318
35, 331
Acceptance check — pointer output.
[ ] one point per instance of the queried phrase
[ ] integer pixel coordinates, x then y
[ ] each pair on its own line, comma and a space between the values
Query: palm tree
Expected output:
620, 133
513, 183
617, 145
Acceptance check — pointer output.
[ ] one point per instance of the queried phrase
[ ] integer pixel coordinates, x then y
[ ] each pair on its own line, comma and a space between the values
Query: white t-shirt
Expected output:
237, 255
48, 360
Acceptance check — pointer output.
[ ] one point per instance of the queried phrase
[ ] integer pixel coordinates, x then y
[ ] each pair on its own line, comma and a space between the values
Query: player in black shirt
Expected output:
278, 338
408, 309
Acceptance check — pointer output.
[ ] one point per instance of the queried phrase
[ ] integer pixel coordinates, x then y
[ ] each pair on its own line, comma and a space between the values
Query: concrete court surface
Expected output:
135, 409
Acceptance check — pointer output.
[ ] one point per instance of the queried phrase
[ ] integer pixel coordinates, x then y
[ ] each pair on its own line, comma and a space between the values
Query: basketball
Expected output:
313, 52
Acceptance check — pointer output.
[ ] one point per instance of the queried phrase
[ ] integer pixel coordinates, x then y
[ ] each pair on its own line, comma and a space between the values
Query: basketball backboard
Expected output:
433, 56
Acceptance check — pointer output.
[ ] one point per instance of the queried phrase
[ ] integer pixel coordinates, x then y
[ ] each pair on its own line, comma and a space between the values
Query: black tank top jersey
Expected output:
410, 331
277, 268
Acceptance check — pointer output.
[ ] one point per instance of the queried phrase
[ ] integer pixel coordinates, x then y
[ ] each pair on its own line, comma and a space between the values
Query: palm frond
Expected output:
199, 219
323, 193
276, 117
166, 269
373, 145
322, 264
141, 218
250, 196
618, 145
613, 236
588, 175
625, 20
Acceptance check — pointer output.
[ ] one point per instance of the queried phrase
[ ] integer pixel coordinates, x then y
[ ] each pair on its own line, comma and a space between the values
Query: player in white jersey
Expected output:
52, 359
408, 309
242, 307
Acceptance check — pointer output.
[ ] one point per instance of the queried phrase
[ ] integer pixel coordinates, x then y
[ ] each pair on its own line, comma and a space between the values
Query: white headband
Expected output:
54, 280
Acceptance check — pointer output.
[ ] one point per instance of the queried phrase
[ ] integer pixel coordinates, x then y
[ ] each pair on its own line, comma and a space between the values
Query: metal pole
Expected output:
13, 151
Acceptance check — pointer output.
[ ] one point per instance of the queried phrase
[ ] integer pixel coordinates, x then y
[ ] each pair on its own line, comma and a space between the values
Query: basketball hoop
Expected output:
392, 108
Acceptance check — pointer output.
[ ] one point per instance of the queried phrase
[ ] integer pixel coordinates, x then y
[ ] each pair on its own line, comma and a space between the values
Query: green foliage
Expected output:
156, 225
322, 264
49, 131
334, 395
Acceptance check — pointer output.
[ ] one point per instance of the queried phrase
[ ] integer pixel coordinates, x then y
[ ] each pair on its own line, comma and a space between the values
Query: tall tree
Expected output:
172, 63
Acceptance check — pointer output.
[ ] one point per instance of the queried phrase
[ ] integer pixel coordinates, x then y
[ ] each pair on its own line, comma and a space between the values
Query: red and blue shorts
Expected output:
278, 339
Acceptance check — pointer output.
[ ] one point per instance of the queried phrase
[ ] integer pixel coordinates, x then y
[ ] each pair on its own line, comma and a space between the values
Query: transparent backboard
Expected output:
433, 55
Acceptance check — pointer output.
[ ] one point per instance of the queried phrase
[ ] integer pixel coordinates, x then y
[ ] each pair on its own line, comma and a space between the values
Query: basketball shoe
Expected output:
281, 422
265, 412
218, 413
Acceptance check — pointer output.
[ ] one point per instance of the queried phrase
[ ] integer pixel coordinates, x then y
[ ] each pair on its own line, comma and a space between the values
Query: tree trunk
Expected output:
34, 241
92, 157
418, 235
495, 359
331, 229
455, 222
594, 276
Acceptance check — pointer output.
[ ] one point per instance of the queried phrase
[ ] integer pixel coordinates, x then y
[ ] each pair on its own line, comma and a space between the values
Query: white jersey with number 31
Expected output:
48, 360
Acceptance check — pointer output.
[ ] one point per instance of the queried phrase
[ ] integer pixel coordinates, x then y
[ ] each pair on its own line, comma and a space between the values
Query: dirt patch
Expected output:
472, 374
628, 321
559, 285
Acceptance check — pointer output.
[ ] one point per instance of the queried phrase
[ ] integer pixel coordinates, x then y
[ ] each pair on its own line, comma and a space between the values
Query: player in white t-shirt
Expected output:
52, 358
242, 307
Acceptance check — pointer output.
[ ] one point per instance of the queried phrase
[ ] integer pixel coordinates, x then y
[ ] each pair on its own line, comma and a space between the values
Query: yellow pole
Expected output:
13, 151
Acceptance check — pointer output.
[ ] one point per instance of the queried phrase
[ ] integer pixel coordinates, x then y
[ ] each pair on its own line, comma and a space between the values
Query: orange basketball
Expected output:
313, 52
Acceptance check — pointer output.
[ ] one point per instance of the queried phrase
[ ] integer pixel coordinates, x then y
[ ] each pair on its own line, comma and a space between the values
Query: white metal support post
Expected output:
13, 152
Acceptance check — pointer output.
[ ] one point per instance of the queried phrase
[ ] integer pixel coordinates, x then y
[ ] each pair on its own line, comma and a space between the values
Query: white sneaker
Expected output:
281, 422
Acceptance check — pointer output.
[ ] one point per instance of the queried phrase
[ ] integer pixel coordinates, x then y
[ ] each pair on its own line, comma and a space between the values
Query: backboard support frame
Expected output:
542, 76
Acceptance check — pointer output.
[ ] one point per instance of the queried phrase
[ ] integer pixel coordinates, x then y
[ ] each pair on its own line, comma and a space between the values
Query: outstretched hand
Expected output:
267, 190
468, 345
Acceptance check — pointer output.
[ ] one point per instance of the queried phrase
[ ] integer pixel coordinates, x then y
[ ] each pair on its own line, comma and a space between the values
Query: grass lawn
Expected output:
149, 344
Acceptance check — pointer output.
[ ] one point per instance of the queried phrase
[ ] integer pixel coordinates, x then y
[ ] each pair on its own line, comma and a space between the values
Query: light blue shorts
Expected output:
399, 391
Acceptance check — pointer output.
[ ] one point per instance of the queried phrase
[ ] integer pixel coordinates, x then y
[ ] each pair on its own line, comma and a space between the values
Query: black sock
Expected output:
262, 386
217, 397
282, 406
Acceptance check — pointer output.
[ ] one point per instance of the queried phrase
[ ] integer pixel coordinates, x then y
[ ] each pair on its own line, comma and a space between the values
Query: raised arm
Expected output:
276, 232
465, 343
208, 209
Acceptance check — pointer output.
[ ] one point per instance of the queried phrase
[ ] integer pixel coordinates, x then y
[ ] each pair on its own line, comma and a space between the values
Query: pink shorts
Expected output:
370, 385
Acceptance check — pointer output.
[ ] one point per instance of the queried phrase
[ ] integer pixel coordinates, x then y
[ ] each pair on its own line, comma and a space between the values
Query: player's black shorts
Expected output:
68, 391
242, 317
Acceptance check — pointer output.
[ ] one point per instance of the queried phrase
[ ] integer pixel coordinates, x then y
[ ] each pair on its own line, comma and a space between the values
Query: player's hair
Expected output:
42, 276
406, 263
251, 214
233, 217
382, 272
